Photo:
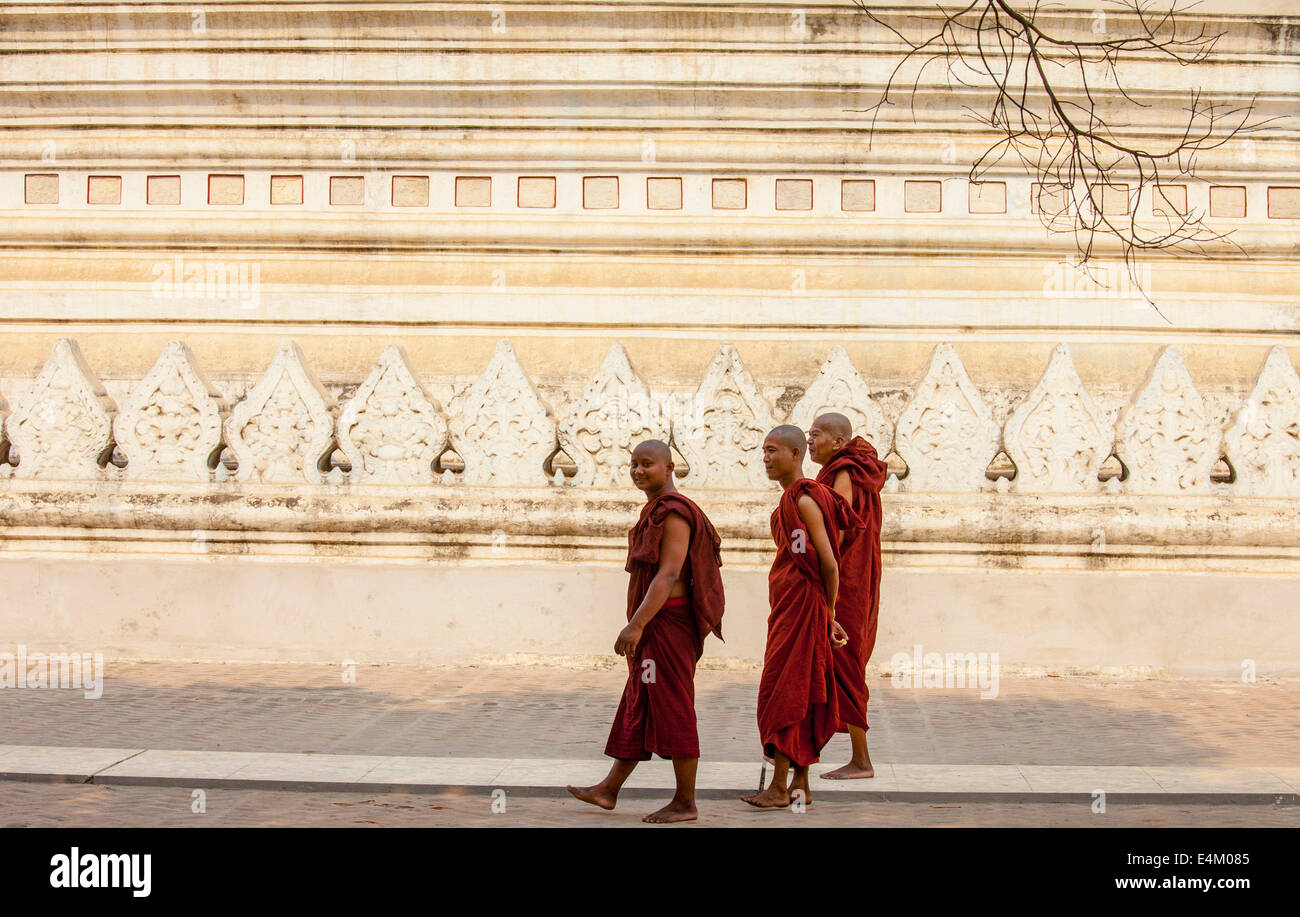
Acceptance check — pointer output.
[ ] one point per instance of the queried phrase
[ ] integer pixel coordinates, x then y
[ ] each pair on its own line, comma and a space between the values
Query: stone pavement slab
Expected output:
279, 767
1108, 779
161, 764
1290, 774
407, 771
62, 763
961, 778
720, 779
1218, 780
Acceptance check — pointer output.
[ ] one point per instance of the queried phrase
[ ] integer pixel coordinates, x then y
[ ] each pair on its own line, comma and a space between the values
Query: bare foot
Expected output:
596, 795
771, 798
673, 812
849, 771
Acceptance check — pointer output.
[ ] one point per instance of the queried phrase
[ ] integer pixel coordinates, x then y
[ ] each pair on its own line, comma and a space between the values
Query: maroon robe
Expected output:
656, 714
797, 708
857, 606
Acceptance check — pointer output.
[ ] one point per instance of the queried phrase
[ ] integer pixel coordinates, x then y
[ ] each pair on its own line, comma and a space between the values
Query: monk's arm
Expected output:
811, 515
844, 487
673, 546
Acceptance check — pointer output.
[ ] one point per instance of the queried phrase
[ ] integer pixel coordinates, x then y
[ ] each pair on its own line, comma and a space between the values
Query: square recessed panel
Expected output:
729, 194
1169, 201
1053, 200
857, 194
1284, 203
104, 189
41, 188
794, 194
1227, 201
1111, 200
537, 191
410, 191
663, 193
347, 190
922, 196
286, 189
226, 189
987, 197
600, 192
163, 189
473, 191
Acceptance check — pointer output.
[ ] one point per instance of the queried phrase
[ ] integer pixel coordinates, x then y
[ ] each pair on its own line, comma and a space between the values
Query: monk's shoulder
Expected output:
676, 520
649, 525
830, 501
865, 459
816, 489
812, 499
676, 504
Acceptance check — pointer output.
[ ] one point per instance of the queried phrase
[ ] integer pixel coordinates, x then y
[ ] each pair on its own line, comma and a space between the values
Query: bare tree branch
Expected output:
1049, 111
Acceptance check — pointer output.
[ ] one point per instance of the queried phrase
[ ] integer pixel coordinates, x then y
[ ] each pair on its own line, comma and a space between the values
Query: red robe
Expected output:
857, 606
656, 714
797, 709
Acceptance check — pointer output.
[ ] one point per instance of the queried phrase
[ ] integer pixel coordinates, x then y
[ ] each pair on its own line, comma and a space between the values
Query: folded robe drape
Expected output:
857, 607
656, 714
797, 709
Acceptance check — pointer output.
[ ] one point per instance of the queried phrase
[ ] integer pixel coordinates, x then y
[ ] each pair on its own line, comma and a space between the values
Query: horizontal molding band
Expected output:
738, 554
944, 151
469, 515
313, 101
700, 235
885, 315
713, 68
510, 23
448, 322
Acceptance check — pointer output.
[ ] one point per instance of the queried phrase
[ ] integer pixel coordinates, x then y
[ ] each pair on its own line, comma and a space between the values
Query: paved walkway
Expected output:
441, 737
543, 712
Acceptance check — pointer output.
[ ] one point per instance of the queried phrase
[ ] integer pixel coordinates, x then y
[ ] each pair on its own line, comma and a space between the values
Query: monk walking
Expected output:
850, 466
797, 709
674, 600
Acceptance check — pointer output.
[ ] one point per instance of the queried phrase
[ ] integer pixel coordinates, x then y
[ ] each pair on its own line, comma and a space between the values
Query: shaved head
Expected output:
651, 468
791, 437
655, 448
835, 425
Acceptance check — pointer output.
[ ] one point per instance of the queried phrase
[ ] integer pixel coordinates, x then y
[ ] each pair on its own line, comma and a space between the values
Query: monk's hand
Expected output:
839, 636
627, 640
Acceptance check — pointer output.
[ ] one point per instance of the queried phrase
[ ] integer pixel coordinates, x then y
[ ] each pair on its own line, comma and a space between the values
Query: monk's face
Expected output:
779, 460
649, 470
822, 446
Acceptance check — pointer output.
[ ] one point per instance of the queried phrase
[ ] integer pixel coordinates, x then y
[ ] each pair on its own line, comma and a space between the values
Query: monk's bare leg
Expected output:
860, 765
605, 793
777, 794
800, 790
682, 807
